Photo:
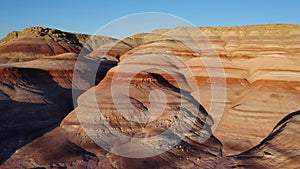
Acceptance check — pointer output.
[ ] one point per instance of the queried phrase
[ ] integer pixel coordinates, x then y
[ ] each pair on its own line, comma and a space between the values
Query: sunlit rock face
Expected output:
171, 83
262, 81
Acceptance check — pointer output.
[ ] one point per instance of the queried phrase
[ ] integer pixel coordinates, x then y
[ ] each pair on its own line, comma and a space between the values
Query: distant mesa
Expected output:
36, 42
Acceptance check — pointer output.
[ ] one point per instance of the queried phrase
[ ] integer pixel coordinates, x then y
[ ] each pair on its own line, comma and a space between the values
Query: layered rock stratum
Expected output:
254, 129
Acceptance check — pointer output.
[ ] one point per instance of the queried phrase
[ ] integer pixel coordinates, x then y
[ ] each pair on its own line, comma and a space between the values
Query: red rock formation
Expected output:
180, 109
261, 68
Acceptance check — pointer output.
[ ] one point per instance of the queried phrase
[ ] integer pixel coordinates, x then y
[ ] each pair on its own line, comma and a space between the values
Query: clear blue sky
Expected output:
88, 16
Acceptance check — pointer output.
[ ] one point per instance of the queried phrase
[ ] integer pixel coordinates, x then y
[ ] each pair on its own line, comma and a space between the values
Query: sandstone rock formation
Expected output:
261, 69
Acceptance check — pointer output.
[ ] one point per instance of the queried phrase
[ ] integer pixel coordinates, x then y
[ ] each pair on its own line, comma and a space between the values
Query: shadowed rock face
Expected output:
261, 66
36, 95
29, 107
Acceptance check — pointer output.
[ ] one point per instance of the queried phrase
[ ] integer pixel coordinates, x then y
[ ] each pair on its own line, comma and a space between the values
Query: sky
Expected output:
88, 16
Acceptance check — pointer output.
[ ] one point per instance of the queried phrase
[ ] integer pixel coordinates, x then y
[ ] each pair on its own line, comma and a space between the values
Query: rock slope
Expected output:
279, 150
35, 96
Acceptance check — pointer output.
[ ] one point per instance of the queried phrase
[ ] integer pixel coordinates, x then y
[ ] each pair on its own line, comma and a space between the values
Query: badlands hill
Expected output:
36, 42
254, 129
